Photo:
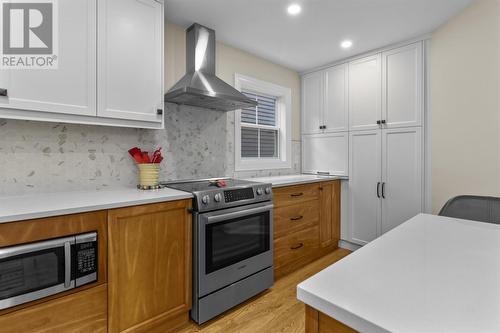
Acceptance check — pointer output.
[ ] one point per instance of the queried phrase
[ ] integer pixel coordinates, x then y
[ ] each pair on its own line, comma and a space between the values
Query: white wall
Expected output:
465, 90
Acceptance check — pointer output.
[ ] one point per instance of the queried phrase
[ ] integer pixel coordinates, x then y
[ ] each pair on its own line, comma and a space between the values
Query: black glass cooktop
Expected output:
206, 185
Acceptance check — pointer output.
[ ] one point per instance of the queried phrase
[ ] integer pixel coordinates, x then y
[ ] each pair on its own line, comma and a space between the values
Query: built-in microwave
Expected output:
32, 271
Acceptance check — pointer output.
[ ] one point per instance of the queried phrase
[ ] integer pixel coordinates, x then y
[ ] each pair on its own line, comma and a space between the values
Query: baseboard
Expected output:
348, 245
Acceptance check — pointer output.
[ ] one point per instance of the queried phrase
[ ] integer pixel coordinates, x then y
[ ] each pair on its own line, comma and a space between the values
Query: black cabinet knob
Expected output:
3, 92
159, 111
379, 122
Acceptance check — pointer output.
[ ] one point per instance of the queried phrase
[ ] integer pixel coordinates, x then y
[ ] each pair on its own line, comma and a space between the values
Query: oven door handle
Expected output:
234, 215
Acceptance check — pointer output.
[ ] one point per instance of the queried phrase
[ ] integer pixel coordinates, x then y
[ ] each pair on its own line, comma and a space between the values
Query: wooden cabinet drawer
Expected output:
81, 312
291, 195
289, 219
290, 248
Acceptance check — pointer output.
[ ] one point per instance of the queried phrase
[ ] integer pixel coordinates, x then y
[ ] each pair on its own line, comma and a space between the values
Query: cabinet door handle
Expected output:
379, 122
378, 190
3, 92
383, 190
296, 218
297, 194
323, 173
383, 121
159, 111
296, 247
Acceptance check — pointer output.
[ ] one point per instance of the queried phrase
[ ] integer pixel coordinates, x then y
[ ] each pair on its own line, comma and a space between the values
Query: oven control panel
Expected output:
220, 198
239, 194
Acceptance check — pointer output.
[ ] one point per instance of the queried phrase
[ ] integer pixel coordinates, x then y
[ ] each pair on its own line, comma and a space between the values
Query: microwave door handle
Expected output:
67, 265
34, 247
235, 215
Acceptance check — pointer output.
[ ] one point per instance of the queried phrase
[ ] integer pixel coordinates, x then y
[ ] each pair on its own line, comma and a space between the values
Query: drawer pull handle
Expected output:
296, 247
297, 194
296, 218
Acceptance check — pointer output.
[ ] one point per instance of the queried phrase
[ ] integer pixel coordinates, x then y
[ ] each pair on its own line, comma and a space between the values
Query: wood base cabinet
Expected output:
149, 267
80, 310
306, 224
317, 322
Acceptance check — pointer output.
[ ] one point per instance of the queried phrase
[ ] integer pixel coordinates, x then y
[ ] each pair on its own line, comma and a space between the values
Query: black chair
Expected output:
471, 207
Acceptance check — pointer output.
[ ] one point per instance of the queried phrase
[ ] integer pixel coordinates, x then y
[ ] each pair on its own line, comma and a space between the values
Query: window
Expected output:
259, 128
262, 133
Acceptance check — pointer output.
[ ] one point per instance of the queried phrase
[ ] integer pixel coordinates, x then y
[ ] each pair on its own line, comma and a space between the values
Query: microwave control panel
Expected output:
85, 259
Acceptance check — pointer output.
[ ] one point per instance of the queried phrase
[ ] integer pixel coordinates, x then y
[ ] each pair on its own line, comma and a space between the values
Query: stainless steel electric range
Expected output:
232, 243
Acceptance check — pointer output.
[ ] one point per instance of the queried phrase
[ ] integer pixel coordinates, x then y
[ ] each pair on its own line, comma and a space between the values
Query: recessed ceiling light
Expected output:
346, 44
294, 9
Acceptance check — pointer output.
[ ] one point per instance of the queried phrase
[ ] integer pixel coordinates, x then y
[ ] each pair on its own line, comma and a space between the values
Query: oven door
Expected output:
233, 244
33, 271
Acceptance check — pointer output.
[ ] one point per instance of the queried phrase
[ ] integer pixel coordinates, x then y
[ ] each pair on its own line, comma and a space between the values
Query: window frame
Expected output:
283, 123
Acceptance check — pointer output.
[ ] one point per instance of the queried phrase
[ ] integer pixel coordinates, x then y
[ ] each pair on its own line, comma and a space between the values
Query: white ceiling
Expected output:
312, 39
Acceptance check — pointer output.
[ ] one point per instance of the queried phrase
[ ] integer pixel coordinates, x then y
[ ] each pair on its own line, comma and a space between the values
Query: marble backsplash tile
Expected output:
49, 157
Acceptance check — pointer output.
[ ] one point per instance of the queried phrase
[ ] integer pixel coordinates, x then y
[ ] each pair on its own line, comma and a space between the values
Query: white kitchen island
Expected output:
430, 274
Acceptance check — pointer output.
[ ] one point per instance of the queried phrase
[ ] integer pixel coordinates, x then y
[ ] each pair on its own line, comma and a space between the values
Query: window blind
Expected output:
259, 132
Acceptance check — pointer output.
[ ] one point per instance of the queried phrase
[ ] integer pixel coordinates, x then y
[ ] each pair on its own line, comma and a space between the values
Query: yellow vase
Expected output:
149, 174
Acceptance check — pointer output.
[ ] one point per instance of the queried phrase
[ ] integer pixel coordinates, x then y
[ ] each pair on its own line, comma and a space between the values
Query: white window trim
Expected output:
284, 108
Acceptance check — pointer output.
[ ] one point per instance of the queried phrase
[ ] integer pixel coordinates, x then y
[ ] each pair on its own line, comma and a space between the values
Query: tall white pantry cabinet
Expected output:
369, 126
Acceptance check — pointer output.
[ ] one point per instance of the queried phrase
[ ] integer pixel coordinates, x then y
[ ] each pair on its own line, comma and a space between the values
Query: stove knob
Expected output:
268, 190
218, 197
205, 200
259, 191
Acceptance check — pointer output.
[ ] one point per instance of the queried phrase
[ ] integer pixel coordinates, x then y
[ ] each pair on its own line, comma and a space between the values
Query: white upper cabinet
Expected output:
401, 176
313, 86
110, 68
364, 185
71, 88
325, 153
402, 86
336, 112
130, 53
324, 101
365, 106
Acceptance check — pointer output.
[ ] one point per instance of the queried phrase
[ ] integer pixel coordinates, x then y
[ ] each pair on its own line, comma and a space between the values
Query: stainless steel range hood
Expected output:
200, 87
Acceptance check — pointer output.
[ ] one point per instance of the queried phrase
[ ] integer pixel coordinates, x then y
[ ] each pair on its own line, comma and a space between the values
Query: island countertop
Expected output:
430, 274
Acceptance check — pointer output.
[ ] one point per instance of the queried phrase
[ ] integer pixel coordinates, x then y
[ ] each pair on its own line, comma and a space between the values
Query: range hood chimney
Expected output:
200, 87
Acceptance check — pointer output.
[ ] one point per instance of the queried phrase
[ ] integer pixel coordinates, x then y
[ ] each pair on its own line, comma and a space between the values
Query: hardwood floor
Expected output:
274, 311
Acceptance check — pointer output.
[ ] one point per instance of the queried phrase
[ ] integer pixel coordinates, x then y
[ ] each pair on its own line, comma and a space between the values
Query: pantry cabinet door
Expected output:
402, 86
336, 99
326, 153
130, 68
364, 176
402, 164
365, 86
71, 87
312, 102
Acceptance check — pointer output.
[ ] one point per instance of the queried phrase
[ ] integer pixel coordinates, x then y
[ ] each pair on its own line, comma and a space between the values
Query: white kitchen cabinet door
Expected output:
402, 86
313, 86
69, 89
402, 164
336, 110
130, 66
364, 176
326, 153
365, 87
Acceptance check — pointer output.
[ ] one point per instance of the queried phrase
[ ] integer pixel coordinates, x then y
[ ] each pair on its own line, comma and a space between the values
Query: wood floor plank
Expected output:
274, 311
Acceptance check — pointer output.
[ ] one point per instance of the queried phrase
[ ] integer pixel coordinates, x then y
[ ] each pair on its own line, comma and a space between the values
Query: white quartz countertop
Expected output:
431, 274
280, 181
17, 208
